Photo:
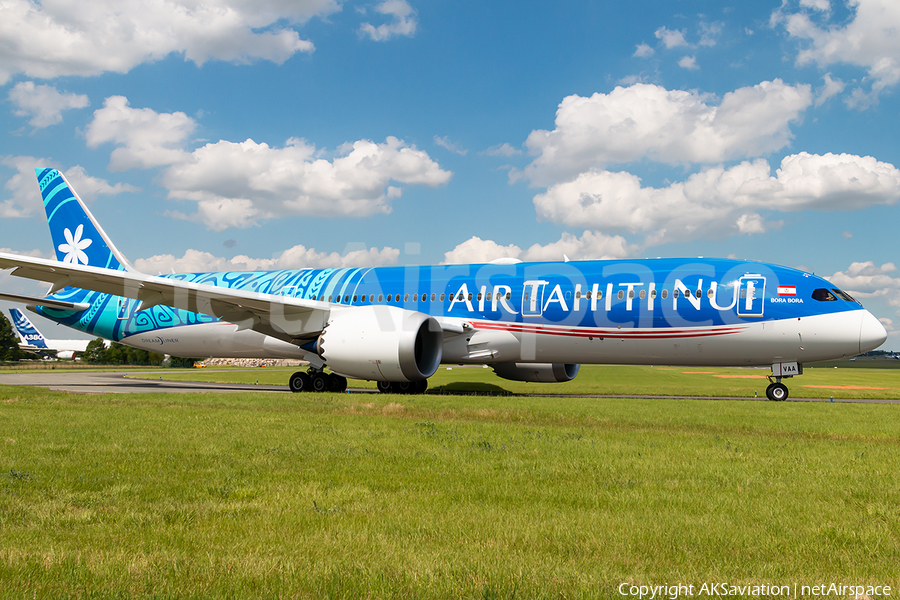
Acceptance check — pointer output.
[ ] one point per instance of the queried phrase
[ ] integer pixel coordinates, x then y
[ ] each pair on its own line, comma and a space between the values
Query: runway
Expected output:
117, 383
95, 382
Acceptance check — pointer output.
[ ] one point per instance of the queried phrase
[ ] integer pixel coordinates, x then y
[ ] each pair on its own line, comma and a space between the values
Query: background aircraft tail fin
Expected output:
77, 237
27, 331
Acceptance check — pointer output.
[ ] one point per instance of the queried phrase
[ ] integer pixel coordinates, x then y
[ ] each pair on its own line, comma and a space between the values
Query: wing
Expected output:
288, 319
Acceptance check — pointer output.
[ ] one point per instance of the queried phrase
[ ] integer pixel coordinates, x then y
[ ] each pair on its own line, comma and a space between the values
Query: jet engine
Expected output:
543, 372
384, 343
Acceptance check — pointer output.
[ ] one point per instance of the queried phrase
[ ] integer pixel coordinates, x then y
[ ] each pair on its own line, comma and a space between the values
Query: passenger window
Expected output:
479, 296
406, 297
652, 294
578, 295
588, 295
433, 296
630, 294
621, 294
354, 297
442, 297
470, 296
709, 293
665, 294
674, 293
380, 297
643, 294
508, 295
330, 297
599, 294
823, 295
415, 297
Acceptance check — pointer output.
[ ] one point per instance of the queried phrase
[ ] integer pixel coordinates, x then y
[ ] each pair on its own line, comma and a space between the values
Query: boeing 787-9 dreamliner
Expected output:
396, 325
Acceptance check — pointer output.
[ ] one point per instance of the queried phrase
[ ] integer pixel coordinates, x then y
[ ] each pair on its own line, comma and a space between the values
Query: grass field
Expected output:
438, 496
617, 380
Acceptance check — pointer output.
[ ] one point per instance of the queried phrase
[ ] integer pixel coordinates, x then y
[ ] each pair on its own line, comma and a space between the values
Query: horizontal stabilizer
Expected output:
45, 302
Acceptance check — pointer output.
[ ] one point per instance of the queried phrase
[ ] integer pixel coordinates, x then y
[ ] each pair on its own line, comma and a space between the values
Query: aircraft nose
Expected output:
871, 332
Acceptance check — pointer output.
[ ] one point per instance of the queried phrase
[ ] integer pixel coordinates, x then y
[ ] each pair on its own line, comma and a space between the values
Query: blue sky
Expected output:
222, 134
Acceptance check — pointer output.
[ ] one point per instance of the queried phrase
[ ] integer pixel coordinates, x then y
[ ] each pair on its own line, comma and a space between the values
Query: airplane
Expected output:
395, 325
34, 341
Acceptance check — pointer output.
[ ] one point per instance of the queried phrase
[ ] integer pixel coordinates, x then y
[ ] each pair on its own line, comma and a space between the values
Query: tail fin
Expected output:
77, 236
26, 330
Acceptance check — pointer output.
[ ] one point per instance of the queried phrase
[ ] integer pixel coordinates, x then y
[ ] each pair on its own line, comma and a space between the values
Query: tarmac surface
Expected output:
98, 382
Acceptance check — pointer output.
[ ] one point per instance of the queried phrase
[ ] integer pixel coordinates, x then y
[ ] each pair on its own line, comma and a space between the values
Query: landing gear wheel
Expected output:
319, 382
403, 387
421, 386
777, 392
336, 383
300, 382
385, 387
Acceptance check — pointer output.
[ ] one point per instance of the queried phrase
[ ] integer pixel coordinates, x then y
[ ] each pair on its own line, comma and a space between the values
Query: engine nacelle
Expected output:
383, 343
536, 372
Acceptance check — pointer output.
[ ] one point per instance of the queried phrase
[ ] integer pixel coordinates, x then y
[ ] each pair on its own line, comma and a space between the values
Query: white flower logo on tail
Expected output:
74, 249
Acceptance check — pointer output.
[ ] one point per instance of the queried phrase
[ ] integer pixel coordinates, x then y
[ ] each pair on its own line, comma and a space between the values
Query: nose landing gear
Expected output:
778, 391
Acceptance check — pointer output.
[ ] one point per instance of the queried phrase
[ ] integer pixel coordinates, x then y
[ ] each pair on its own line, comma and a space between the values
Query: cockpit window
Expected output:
843, 295
823, 295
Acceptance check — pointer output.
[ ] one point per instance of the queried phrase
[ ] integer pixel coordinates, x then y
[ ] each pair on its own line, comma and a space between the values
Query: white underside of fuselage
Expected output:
806, 339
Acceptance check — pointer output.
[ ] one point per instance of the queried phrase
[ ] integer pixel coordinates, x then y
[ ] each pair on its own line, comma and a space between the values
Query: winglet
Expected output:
77, 237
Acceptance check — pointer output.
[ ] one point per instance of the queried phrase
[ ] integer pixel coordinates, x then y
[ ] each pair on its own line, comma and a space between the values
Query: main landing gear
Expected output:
403, 387
317, 381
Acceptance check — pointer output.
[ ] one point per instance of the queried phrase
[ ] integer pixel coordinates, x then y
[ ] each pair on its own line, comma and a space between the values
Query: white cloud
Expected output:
298, 257
590, 245
709, 33
145, 138
866, 280
671, 38
829, 89
11, 284
644, 51
26, 196
65, 37
404, 21
719, 201
89, 188
444, 142
689, 63
477, 250
647, 121
868, 40
238, 184
820, 5
43, 103
503, 149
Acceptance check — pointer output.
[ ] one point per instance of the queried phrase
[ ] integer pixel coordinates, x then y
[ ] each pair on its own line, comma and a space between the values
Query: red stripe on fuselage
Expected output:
641, 334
